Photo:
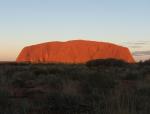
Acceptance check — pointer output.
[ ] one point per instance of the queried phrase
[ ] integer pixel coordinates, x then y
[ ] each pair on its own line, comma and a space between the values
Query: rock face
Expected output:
75, 51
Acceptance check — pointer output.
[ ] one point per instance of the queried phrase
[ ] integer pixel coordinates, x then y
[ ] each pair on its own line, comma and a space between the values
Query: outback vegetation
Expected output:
97, 87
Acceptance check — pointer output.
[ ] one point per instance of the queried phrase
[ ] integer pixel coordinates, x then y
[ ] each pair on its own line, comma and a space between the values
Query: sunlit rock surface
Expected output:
75, 51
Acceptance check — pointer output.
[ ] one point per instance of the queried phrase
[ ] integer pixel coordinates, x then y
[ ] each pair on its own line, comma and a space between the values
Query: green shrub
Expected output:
5, 101
107, 63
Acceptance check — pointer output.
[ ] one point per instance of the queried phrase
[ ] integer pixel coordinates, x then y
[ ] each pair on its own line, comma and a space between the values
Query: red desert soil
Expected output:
75, 51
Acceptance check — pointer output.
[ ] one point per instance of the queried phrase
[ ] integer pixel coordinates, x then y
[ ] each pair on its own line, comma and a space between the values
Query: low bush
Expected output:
97, 87
107, 63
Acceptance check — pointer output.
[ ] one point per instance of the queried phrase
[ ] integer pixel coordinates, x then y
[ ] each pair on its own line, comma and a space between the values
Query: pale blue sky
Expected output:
26, 22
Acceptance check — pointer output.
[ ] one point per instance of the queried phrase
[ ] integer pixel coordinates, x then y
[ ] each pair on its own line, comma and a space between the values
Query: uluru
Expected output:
74, 51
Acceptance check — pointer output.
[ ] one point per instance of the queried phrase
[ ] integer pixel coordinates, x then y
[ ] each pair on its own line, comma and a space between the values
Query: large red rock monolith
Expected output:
75, 51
